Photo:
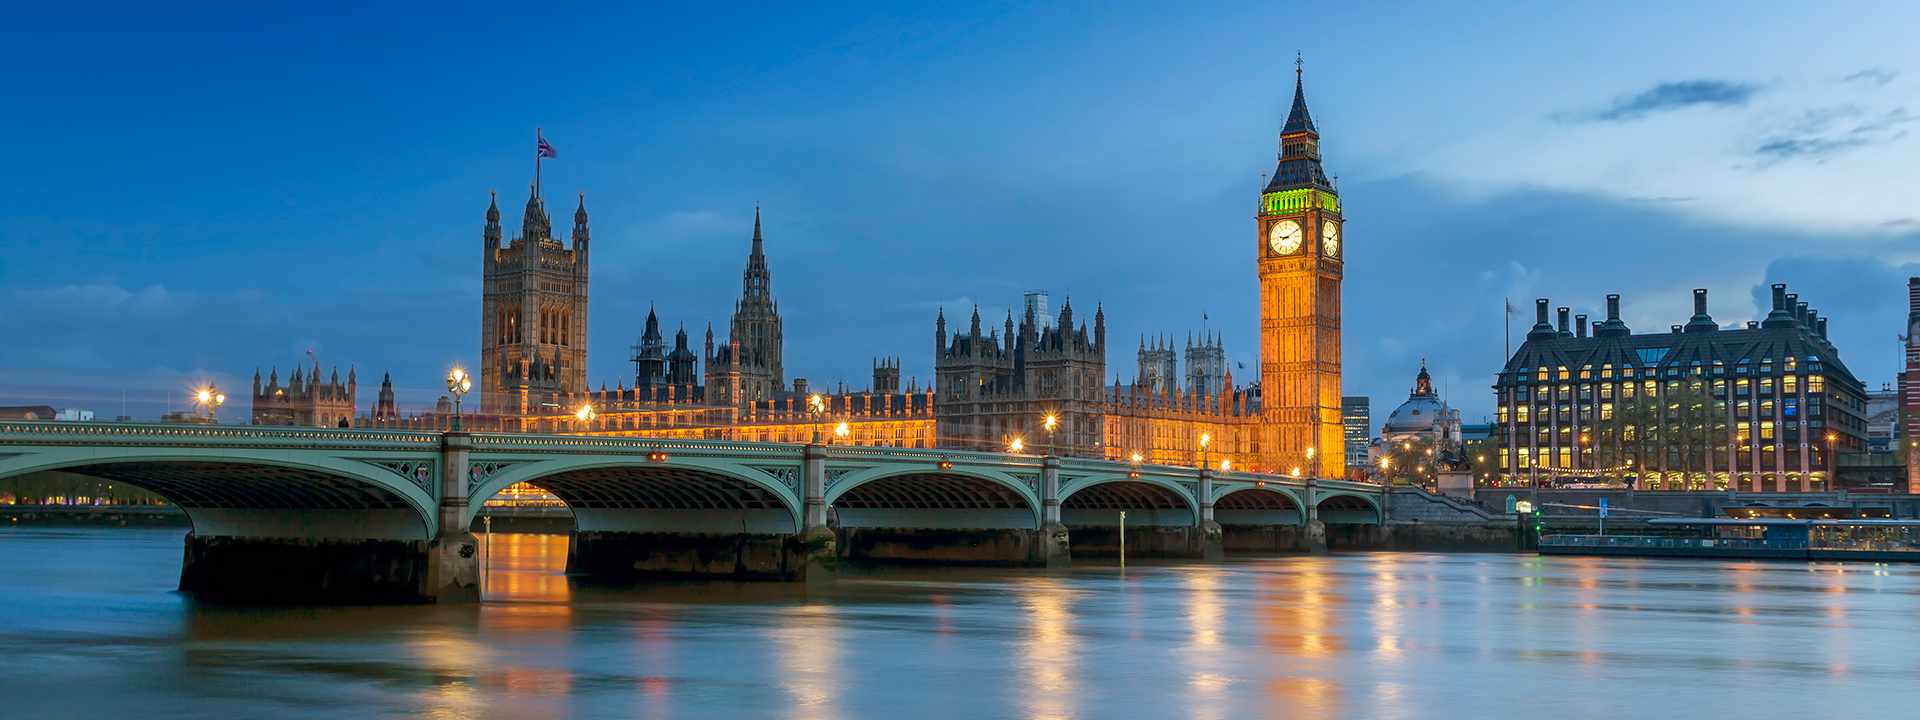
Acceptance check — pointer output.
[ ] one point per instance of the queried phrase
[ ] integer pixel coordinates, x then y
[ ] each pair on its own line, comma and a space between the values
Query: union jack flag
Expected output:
545, 150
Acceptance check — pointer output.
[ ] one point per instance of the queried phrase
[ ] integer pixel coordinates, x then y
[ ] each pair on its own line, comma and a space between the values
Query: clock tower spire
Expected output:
1300, 254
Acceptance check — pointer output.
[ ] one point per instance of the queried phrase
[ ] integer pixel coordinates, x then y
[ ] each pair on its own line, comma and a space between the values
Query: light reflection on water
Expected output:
92, 628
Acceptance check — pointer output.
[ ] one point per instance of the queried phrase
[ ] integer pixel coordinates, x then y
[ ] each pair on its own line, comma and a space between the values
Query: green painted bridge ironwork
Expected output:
319, 485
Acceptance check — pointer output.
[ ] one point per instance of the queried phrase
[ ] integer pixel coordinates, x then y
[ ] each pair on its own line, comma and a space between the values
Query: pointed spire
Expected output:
757, 242
1298, 119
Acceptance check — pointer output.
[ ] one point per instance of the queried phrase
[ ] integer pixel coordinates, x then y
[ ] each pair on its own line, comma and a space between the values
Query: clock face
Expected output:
1330, 238
1284, 237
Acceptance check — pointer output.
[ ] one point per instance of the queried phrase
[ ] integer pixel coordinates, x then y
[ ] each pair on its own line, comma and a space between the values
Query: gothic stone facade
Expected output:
305, 400
533, 313
1300, 252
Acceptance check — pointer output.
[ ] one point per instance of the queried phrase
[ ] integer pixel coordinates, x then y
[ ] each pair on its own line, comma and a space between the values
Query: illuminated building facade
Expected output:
1766, 407
999, 385
533, 313
1356, 416
305, 400
1300, 251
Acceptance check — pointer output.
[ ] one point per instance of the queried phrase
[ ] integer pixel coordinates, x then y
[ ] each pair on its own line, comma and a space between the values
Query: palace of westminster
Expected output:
993, 383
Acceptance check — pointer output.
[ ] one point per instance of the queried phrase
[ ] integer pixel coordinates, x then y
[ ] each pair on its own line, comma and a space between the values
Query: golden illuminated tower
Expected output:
1301, 250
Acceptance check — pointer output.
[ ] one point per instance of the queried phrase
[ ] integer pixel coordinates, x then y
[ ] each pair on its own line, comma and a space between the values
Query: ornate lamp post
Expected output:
1050, 422
211, 398
817, 407
1206, 439
1016, 445
459, 383
585, 416
1313, 464
842, 431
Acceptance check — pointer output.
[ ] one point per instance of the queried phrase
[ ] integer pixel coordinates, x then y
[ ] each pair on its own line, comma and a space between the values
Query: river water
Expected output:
90, 627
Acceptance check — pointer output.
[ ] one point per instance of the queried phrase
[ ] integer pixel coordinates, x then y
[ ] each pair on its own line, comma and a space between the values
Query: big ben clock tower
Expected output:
1301, 250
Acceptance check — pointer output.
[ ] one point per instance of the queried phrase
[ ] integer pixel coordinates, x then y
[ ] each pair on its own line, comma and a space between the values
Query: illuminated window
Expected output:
1816, 383
1788, 385
1606, 411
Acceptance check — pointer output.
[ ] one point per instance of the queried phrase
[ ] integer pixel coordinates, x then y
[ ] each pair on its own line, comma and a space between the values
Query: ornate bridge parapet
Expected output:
752, 501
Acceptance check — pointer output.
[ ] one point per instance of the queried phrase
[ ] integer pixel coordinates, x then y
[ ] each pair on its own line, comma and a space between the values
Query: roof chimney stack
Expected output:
1780, 316
1612, 326
1701, 321
1564, 330
1541, 329
1580, 326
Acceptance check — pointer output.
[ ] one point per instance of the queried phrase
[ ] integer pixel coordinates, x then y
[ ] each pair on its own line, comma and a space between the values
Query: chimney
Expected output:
1541, 329
1564, 330
1753, 324
1780, 316
1676, 329
1612, 326
1580, 326
1820, 328
1701, 321
1800, 314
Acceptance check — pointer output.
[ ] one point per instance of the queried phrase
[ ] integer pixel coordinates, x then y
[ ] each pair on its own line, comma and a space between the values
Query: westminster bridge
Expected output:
307, 514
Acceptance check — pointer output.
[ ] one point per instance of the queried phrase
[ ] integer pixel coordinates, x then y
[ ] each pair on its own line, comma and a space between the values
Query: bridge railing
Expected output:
96, 433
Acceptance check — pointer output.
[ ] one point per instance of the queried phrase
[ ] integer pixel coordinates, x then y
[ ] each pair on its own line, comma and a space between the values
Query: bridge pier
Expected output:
453, 563
817, 546
1211, 536
1051, 548
1314, 535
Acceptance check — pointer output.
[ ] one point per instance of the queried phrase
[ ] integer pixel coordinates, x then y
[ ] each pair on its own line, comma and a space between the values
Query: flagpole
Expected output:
536, 162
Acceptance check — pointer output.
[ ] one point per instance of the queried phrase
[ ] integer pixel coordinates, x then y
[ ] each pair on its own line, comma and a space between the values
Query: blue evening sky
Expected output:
196, 191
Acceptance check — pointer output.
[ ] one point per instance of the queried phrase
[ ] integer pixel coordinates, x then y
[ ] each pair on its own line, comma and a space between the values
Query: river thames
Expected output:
94, 629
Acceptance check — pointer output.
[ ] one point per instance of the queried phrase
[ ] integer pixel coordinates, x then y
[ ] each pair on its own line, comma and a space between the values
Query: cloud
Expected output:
104, 297
1815, 138
1876, 76
1676, 96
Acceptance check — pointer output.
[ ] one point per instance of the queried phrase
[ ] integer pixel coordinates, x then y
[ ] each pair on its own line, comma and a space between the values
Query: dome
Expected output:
1422, 413
1417, 414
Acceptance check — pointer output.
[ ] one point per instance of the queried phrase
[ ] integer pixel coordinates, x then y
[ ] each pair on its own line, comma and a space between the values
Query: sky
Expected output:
194, 193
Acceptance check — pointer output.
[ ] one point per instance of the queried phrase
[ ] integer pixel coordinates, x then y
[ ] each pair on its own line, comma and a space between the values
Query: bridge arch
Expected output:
1148, 500
1258, 506
634, 494
263, 492
1350, 508
920, 497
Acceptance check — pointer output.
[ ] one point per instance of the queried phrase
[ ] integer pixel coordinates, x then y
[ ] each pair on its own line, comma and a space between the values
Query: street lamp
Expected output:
211, 398
1313, 466
584, 414
1226, 464
1050, 422
817, 407
458, 384
1206, 439
842, 430
1016, 445
1385, 464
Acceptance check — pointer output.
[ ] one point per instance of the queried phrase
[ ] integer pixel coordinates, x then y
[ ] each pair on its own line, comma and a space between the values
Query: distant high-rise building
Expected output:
1356, 416
1909, 435
1036, 307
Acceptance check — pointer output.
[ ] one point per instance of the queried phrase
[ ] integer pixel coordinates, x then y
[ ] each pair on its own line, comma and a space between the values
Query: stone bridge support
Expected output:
817, 544
1315, 536
453, 565
1053, 548
1211, 537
